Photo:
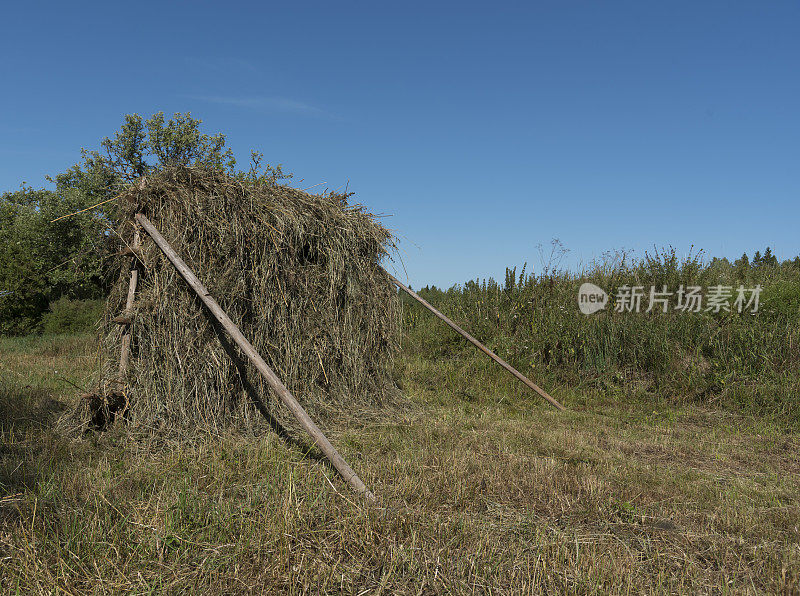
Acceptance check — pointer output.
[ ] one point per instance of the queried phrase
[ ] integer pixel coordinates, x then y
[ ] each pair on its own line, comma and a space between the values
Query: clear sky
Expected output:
483, 129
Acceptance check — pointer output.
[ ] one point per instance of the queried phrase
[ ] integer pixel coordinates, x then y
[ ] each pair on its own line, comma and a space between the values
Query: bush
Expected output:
783, 299
72, 316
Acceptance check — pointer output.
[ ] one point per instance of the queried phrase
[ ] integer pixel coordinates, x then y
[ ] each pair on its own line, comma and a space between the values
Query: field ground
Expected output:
482, 488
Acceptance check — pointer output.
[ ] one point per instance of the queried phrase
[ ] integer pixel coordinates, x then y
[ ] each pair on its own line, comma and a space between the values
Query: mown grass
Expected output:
481, 489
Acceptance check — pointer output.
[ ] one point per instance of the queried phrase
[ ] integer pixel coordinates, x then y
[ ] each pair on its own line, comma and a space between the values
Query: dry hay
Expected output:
298, 273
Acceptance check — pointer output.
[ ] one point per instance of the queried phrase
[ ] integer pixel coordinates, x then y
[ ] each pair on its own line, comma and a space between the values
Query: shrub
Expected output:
72, 316
783, 299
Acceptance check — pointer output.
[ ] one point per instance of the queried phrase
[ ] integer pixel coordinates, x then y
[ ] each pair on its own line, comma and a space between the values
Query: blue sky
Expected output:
484, 130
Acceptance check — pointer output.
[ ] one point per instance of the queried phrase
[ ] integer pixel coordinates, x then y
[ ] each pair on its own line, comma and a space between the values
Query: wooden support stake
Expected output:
125, 351
277, 386
476, 343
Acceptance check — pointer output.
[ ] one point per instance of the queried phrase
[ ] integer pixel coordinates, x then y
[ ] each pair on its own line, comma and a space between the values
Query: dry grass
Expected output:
481, 489
298, 273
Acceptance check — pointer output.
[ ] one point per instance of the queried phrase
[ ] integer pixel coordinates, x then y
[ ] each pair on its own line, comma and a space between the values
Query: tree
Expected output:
22, 296
42, 260
742, 261
742, 265
139, 148
769, 260
45, 256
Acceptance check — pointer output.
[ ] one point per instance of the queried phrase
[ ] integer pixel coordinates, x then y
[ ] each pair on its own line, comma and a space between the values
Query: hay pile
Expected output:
298, 273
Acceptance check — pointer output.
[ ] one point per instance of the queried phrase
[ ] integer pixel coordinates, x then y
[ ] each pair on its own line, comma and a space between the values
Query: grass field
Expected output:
482, 489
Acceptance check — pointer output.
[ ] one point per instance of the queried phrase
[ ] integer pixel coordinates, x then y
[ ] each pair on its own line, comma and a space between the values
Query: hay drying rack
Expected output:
117, 400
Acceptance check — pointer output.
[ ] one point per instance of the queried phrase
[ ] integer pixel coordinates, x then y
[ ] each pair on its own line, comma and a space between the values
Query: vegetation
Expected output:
746, 360
42, 261
481, 488
673, 469
72, 316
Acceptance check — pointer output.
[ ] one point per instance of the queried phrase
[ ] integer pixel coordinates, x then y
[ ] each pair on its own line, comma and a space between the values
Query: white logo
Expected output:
591, 298
687, 299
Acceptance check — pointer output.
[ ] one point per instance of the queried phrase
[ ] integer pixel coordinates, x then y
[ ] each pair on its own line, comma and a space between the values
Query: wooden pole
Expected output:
277, 386
476, 343
125, 351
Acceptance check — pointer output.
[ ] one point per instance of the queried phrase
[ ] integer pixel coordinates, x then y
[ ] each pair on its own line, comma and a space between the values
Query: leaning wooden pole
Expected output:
476, 343
277, 386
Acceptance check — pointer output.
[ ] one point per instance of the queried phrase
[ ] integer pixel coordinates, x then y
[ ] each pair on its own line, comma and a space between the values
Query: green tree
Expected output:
769, 260
742, 265
42, 260
22, 297
138, 148
45, 256
742, 261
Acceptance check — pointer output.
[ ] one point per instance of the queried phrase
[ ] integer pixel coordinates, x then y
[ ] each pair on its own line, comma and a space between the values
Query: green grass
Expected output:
481, 489
746, 362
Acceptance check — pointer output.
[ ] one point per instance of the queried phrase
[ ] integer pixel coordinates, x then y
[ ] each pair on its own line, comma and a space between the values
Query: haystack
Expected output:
298, 273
